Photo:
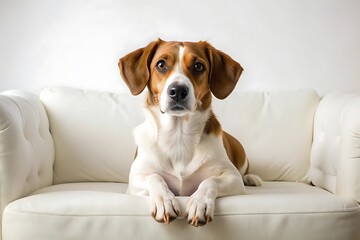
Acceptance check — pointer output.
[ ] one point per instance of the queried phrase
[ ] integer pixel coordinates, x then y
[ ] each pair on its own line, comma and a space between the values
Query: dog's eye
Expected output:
198, 67
161, 66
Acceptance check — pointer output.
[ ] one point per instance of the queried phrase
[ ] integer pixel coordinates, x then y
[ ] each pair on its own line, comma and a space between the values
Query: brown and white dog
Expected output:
182, 150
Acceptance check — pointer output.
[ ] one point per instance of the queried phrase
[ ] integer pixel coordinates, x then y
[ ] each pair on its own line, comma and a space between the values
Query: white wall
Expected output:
282, 44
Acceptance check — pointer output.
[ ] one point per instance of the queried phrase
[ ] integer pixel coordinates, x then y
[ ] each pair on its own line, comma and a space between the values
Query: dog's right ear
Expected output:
134, 67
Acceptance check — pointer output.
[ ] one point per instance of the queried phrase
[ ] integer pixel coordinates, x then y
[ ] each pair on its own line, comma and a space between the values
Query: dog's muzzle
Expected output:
178, 95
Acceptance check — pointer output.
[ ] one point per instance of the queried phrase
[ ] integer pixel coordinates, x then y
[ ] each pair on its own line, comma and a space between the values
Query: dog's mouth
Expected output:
176, 109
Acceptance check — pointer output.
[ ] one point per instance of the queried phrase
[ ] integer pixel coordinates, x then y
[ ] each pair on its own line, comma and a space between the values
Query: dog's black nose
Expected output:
178, 92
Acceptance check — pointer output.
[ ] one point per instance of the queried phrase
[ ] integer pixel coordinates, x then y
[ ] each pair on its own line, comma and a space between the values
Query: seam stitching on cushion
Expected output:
350, 210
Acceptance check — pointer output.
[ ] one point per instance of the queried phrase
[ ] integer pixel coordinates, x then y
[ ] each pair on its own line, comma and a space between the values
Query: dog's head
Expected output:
180, 76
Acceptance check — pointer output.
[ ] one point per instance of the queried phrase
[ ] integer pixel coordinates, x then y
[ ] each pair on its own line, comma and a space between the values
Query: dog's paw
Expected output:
164, 207
252, 180
200, 209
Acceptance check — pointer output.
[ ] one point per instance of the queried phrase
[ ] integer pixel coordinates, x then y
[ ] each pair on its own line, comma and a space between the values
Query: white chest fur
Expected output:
179, 137
176, 147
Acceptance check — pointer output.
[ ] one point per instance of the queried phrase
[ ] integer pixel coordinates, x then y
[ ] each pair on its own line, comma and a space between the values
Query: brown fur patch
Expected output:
234, 150
213, 126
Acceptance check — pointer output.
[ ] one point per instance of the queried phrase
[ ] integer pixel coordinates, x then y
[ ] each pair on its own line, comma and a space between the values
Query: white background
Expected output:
282, 44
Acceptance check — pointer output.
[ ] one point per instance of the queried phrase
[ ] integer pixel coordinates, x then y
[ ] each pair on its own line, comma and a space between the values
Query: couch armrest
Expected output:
26, 146
335, 155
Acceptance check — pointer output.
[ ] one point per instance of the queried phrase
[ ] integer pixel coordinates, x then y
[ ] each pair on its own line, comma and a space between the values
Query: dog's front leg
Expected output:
201, 206
163, 205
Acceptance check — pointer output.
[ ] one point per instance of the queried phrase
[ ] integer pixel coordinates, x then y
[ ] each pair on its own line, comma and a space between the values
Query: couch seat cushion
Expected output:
104, 211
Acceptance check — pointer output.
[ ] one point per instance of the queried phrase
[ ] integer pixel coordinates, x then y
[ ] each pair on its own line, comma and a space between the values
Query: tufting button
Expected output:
28, 179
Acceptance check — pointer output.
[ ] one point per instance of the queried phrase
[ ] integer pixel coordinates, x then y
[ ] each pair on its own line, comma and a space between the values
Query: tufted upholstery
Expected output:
335, 156
78, 191
26, 146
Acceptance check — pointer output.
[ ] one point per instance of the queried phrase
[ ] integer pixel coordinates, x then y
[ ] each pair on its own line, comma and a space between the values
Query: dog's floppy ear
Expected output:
134, 67
224, 74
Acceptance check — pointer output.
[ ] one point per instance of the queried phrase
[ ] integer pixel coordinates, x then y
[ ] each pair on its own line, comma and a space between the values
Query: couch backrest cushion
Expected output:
93, 136
92, 133
275, 129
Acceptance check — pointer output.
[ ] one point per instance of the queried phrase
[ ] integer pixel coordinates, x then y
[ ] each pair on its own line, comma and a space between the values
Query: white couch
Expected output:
65, 159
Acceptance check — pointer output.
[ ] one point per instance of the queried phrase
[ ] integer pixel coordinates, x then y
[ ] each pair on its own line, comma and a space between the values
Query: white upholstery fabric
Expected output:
277, 210
275, 129
26, 146
92, 132
335, 158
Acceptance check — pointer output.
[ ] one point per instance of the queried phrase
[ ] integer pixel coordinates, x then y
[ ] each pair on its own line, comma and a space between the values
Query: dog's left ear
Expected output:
134, 67
224, 74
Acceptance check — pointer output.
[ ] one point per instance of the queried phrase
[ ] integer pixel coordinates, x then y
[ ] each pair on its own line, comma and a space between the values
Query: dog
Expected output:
181, 147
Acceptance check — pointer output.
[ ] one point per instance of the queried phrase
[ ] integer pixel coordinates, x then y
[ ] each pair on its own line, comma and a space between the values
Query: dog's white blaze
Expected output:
180, 58
178, 76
